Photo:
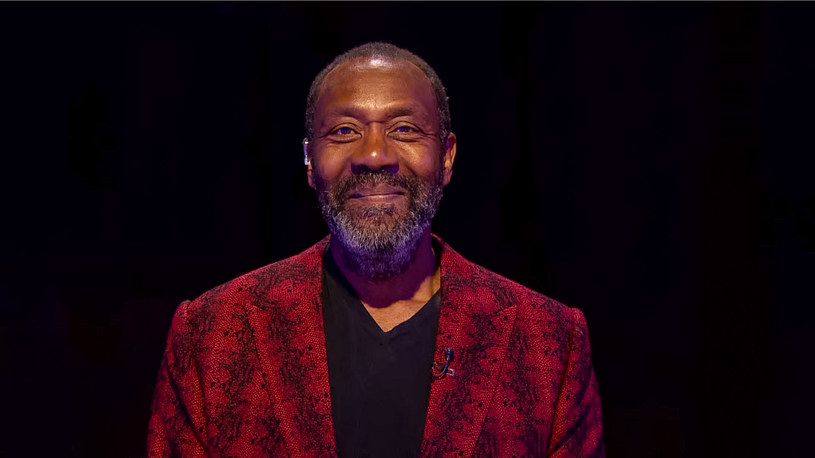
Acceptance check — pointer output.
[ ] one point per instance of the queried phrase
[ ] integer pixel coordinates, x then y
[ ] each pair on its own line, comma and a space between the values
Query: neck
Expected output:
418, 282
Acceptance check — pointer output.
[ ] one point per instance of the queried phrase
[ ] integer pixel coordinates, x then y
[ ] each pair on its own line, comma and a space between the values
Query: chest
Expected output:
389, 317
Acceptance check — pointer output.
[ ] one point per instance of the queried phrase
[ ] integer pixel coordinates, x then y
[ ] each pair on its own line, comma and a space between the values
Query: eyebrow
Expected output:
395, 112
400, 111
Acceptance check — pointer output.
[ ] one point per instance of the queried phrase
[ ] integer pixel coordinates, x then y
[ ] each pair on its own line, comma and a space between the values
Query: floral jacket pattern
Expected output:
245, 370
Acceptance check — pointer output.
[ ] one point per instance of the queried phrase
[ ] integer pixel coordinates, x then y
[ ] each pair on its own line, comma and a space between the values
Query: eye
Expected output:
406, 132
343, 134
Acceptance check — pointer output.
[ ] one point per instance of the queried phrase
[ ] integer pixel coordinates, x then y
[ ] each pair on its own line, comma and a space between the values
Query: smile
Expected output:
377, 193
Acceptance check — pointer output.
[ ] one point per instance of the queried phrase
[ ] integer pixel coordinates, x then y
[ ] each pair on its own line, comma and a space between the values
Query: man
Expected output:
380, 340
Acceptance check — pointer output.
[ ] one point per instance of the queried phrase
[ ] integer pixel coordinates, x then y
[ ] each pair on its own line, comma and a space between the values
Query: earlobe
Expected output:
306, 154
449, 157
307, 162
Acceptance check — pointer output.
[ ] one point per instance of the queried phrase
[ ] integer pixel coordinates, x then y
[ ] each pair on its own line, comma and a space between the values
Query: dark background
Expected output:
647, 163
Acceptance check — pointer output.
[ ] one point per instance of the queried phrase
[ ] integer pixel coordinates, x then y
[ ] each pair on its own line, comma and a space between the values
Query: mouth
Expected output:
377, 193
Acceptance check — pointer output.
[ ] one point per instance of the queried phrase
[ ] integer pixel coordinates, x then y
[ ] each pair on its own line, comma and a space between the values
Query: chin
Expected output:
376, 253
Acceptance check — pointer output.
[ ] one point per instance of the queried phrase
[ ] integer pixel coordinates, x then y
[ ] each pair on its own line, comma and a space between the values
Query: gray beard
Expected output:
378, 242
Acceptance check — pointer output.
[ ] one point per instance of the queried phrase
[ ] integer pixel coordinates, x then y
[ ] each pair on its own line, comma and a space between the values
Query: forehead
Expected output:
376, 83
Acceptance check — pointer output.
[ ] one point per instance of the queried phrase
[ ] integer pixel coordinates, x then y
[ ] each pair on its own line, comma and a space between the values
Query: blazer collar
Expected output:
291, 350
475, 322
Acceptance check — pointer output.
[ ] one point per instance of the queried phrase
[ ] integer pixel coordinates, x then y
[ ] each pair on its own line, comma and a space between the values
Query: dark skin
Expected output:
380, 114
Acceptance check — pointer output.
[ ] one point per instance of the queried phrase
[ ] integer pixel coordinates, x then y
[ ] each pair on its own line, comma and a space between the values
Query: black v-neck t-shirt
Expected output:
380, 381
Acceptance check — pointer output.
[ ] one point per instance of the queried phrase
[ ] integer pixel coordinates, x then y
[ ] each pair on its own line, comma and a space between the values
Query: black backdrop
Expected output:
647, 163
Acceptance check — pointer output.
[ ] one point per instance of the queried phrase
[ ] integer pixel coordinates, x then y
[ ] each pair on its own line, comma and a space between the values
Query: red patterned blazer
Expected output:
245, 371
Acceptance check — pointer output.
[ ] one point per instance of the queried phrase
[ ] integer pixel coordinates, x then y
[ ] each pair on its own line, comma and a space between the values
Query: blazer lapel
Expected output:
289, 333
477, 328
290, 341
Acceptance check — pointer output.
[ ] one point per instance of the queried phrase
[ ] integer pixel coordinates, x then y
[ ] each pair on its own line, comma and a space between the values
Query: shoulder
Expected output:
262, 288
477, 284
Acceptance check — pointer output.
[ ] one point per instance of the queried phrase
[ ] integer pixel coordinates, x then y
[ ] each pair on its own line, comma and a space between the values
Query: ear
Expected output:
307, 161
449, 157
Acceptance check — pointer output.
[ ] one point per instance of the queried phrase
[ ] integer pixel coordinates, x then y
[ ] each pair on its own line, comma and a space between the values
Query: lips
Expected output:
381, 191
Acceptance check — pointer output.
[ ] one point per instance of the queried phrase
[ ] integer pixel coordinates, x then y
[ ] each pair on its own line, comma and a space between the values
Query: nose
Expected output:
374, 154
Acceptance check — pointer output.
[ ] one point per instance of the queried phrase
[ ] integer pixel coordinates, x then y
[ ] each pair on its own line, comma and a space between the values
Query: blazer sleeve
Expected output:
577, 430
176, 420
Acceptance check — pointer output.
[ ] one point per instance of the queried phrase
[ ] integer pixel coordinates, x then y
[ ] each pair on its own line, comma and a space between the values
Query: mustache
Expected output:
345, 186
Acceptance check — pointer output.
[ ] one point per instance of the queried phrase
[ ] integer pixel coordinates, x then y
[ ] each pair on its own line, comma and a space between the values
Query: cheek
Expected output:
424, 161
328, 165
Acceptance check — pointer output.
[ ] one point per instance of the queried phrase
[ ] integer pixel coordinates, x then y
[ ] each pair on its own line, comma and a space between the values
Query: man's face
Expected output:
377, 162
